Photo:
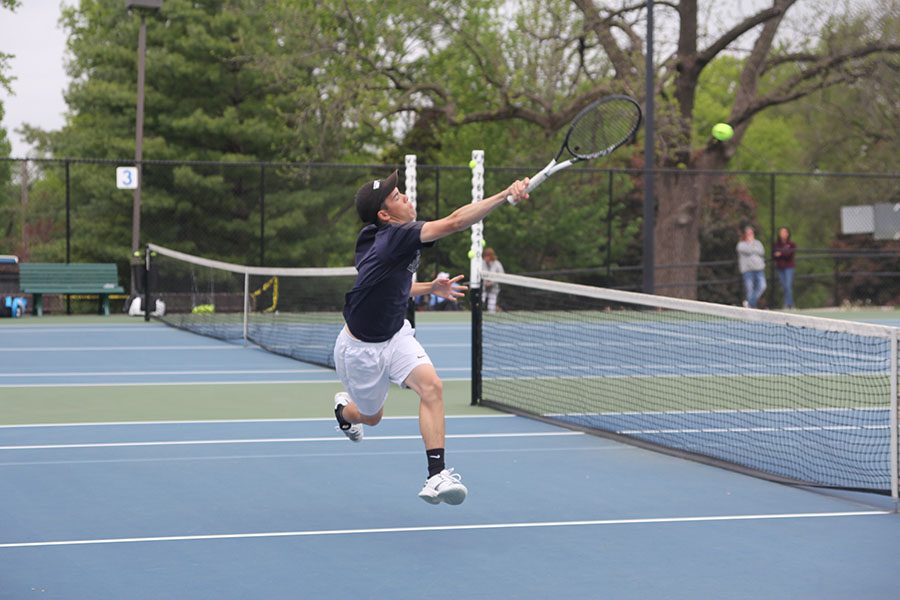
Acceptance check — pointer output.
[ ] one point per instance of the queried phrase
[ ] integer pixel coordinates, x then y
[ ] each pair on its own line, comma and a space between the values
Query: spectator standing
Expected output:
783, 253
752, 265
491, 290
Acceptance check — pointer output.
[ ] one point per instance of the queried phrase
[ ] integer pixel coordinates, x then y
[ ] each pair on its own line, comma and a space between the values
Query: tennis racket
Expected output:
596, 131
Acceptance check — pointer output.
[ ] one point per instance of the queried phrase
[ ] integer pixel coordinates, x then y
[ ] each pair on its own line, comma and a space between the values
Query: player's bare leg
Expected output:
442, 484
349, 418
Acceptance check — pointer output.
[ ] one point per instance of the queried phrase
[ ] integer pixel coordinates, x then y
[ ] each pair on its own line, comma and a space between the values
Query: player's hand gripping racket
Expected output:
596, 131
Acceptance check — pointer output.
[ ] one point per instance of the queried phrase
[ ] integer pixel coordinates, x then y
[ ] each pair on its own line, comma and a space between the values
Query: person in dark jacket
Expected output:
783, 253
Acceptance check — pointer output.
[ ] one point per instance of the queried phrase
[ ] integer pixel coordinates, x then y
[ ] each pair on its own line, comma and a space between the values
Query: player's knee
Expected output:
432, 389
371, 419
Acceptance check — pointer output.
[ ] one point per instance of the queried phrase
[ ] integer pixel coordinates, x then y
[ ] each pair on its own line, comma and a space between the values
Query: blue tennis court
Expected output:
97, 354
132, 500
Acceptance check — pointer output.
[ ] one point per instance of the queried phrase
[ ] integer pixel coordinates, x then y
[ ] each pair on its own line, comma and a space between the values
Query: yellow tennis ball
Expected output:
471, 254
483, 243
472, 164
722, 132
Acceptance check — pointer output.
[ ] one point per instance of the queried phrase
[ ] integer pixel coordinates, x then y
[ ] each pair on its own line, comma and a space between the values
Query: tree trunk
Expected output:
677, 235
680, 197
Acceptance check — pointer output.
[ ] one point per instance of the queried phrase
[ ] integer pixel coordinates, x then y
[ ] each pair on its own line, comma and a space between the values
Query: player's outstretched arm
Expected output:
466, 216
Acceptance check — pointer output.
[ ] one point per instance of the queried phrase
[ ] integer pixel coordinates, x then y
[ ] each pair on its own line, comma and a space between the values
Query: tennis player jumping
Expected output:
377, 347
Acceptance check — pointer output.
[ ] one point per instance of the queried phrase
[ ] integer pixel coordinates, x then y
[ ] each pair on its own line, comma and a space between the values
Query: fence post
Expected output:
609, 200
68, 215
437, 212
774, 234
68, 230
262, 215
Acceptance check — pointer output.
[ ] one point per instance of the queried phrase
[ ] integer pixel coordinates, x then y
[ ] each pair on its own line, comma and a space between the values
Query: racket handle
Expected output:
535, 181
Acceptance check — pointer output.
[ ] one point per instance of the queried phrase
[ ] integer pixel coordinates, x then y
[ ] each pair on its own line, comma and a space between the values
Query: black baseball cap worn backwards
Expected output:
372, 195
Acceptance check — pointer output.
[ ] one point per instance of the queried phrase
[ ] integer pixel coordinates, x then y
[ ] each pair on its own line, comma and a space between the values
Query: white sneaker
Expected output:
444, 487
354, 432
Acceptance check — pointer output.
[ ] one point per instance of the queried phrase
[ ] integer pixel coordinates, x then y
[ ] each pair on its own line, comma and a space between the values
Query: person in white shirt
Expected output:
491, 289
752, 265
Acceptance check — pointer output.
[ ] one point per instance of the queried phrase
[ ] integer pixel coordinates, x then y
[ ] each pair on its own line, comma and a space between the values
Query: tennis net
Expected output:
292, 312
789, 397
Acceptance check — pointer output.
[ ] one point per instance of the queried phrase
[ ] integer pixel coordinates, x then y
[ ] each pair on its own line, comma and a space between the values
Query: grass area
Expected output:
91, 404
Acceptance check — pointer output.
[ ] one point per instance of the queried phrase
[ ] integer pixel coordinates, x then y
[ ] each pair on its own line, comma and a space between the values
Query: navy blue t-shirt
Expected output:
386, 258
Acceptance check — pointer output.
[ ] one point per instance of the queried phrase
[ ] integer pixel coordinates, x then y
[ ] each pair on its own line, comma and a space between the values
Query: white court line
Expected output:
165, 383
155, 373
431, 528
205, 372
158, 327
211, 346
202, 372
315, 455
233, 421
220, 346
722, 411
176, 383
753, 429
330, 438
86, 328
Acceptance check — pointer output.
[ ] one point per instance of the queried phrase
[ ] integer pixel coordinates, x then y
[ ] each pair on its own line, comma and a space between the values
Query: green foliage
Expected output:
357, 82
206, 98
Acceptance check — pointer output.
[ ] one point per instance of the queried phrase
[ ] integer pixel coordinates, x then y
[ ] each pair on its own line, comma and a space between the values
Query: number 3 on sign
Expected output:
126, 178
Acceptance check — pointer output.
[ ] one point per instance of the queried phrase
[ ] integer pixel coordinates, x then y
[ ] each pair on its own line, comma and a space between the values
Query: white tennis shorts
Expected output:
367, 369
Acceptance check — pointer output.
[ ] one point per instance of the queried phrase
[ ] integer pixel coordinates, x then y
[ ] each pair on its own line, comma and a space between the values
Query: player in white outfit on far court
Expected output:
376, 347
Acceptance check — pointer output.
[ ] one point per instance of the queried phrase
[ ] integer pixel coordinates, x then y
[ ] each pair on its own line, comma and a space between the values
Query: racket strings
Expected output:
602, 128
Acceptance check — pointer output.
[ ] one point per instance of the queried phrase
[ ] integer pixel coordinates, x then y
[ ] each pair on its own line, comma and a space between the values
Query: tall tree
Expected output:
8, 208
206, 100
541, 62
6, 84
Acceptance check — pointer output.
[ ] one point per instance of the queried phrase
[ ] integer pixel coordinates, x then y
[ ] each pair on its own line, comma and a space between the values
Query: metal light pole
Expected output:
142, 7
649, 161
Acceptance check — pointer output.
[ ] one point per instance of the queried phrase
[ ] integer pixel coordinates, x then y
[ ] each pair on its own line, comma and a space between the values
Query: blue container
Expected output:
12, 306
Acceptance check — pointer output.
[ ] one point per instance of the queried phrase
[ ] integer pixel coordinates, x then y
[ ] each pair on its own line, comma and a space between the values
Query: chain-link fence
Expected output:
583, 225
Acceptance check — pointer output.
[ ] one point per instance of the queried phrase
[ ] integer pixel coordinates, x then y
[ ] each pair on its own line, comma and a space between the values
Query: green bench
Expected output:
37, 279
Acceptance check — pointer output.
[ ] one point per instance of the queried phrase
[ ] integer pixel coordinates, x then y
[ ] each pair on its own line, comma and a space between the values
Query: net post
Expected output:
147, 297
894, 446
475, 275
476, 346
246, 307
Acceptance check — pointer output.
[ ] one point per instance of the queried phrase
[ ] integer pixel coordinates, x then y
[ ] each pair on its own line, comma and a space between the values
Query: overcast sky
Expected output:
33, 35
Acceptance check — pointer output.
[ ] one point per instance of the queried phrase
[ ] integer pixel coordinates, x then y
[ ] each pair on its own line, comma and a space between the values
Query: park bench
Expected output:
100, 279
